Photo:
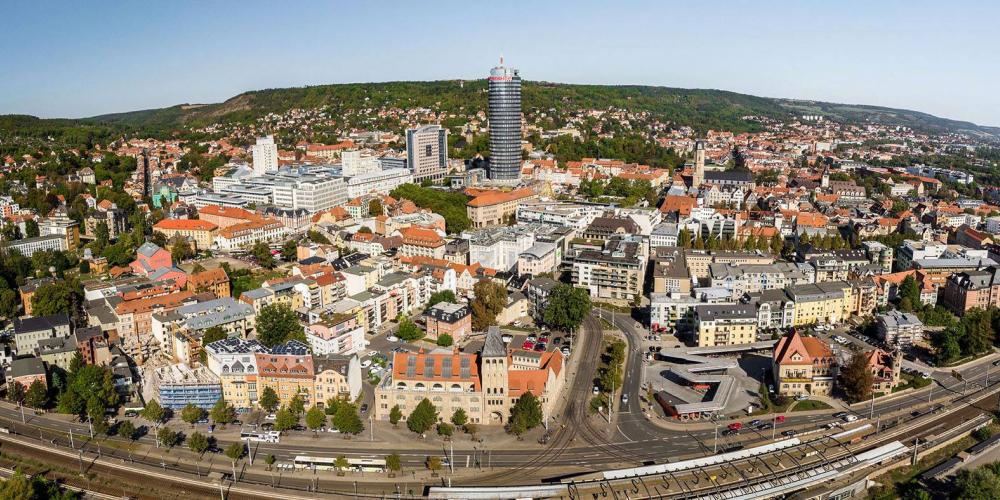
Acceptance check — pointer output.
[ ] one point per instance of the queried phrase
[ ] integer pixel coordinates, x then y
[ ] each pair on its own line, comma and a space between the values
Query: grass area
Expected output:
779, 404
614, 307
809, 404
606, 324
914, 381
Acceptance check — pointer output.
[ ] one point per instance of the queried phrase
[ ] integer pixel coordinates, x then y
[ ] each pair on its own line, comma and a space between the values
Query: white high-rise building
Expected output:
427, 152
265, 155
354, 163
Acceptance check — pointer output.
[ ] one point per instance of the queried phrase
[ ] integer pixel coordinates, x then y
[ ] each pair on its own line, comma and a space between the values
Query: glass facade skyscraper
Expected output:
505, 125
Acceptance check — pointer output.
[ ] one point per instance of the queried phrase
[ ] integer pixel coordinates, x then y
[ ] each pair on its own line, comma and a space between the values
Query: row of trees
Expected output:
686, 239
525, 415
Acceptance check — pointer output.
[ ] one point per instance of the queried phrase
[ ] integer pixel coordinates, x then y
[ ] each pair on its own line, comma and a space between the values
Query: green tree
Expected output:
277, 324
340, 463
154, 413
8, 301
53, 298
31, 229
317, 237
525, 414
982, 482
288, 250
491, 298
909, 289
567, 307
16, 392
433, 464
234, 452
166, 437
684, 238
395, 415
445, 340
127, 430
315, 418
393, 462
262, 253
37, 396
856, 379
423, 417
442, 296
269, 400
445, 430
285, 420
459, 418
346, 420
375, 208
180, 250
198, 442
192, 414
408, 331
297, 405
222, 412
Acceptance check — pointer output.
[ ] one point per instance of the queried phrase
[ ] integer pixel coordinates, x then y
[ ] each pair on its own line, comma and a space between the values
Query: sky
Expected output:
75, 59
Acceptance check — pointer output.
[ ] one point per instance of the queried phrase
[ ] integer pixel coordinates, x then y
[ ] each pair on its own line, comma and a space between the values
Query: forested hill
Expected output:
700, 109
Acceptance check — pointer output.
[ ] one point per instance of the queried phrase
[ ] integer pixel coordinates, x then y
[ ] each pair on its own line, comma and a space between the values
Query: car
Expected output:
996, 363
730, 432
202, 421
802, 397
565, 350
528, 345
755, 423
770, 388
366, 363
788, 433
531, 338
840, 414
832, 425
507, 338
270, 416
392, 338
850, 418
372, 354
557, 341
544, 339
735, 426
765, 426
540, 347
624, 399
597, 390
364, 408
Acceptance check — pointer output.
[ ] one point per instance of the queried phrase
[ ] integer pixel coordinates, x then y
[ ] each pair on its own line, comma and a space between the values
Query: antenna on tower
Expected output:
501, 59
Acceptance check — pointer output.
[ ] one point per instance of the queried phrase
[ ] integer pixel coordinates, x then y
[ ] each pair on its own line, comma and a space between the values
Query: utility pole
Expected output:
916, 444
371, 426
871, 414
715, 442
21, 407
451, 461
878, 424
90, 422
71, 444
774, 426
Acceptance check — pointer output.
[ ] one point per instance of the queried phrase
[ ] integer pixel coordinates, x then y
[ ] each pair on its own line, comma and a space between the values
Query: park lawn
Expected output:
809, 404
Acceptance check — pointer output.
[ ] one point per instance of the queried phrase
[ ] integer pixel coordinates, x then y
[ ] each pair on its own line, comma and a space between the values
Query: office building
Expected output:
380, 182
29, 246
505, 125
265, 155
427, 152
354, 162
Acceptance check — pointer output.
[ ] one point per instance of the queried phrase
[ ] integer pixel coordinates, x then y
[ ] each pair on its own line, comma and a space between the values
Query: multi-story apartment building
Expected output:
201, 232
355, 162
224, 217
972, 289
615, 272
247, 234
912, 250
445, 318
234, 361
725, 324
64, 227
670, 271
752, 278
134, 321
338, 376
698, 261
900, 328
496, 208
484, 386
178, 385
803, 366
418, 241
212, 280
28, 246
821, 303
672, 310
29, 331
289, 370
542, 257
427, 152
339, 333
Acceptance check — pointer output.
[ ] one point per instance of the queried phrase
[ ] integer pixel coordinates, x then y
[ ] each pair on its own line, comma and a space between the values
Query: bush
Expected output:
445, 340
982, 434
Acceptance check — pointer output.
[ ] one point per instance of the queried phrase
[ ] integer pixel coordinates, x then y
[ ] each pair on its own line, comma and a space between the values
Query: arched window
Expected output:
401, 386
456, 388
419, 386
437, 387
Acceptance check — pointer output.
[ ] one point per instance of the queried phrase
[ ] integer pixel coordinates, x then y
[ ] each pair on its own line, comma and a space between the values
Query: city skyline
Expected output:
178, 54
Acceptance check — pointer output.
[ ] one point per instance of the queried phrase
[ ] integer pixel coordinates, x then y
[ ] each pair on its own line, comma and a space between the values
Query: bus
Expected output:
260, 437
327, 463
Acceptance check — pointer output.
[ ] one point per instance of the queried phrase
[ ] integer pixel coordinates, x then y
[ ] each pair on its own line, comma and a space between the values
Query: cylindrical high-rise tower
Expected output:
505, 125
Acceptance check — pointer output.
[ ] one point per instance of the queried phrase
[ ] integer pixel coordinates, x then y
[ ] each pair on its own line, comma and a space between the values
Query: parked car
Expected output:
802, 397
364, 407
850, 418
366, 363
528, 345
624, 399
565, 350
507, 338
392, 338
597, 390
540, 347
